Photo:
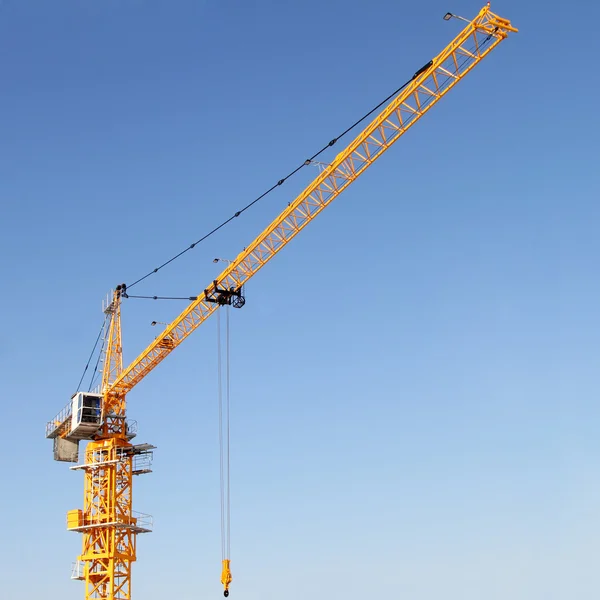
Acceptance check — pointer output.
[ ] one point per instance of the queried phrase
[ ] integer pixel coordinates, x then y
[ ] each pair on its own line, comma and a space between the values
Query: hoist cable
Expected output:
224, 447
221, 465
227, 421
91, 354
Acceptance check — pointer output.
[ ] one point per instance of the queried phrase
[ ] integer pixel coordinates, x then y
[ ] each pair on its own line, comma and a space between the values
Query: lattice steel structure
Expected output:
427, 88
107, 521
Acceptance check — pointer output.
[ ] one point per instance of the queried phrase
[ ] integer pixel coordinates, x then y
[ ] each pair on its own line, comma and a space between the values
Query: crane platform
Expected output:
136, 522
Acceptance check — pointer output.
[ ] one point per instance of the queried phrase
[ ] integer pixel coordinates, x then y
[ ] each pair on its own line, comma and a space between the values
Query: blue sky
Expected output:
414, 378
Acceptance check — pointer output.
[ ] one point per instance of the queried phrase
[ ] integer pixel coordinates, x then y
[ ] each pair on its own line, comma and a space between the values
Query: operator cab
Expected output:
86, 414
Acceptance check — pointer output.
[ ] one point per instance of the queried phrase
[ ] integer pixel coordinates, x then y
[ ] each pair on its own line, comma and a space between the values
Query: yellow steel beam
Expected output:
430, 84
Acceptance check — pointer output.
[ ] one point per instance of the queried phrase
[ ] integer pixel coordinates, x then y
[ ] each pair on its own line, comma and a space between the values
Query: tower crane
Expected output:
110, 459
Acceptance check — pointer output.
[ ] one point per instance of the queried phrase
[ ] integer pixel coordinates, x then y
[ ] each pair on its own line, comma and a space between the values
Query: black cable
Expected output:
280, 181
284, 179
162, 297
97, 364
91, 354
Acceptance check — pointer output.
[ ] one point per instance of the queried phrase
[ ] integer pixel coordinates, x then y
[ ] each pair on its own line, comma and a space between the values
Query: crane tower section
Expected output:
107, 521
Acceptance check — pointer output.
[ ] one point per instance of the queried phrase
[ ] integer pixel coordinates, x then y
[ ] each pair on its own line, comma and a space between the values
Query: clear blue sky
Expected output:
414, 379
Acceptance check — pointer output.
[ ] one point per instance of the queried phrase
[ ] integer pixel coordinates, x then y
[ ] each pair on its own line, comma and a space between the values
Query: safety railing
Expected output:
53, 426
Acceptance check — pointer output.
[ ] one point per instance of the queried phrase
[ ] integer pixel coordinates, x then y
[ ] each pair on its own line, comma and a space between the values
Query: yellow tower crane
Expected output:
107, 521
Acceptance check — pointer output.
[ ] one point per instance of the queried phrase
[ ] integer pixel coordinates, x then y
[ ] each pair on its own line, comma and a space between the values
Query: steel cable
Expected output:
306, 162
227, 420
91, 354
280, 182
221, 465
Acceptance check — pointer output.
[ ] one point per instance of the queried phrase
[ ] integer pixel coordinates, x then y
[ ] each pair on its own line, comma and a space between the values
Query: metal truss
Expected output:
429, 85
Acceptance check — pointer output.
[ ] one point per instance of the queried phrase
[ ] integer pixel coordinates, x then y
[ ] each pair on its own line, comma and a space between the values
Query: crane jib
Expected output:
429, 84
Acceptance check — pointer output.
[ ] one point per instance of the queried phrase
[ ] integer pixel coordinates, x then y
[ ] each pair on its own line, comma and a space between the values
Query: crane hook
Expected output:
226, 577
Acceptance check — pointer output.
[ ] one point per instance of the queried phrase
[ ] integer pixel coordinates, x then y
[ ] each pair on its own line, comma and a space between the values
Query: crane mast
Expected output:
107, 520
